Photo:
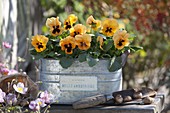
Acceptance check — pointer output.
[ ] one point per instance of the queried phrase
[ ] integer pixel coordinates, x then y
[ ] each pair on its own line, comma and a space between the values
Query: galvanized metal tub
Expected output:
79, 80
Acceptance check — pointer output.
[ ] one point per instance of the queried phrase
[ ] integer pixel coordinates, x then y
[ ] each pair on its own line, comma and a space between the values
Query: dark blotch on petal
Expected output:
56, 29
108, 30
68, 47
40, 46
120, 42
68, 26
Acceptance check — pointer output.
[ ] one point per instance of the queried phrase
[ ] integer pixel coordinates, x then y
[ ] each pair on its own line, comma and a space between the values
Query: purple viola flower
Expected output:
2, 96
12, 71
6, 45
34, 106
20, 88
41, 102
4, 71
11, 99
47, 97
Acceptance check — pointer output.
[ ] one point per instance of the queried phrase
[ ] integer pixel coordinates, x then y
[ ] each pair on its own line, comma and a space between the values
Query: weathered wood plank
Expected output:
156, 107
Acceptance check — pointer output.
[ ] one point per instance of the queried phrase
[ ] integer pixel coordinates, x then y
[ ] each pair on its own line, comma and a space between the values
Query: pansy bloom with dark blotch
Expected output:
55, 26
94, 24
68, 44
109, 27
68, 23
39, 42
120, 39
83, 41
78, 29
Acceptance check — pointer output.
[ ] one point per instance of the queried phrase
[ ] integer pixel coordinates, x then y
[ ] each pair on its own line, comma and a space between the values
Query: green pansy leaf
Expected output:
66, 62
52, 54
105, 56
38, 56
115, 64
91, 61
32, 51
135, 48
107, 45
82, 57
95, 54
50, 37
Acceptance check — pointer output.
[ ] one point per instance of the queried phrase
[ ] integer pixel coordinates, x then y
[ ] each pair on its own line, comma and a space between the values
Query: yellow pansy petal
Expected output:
72, 32
50, 21
78, 29
90, 20
67, 44
53, 22
55, 26
83, 41
94, 24
39, 42
109, 27
81, 29
100, 40
72, 18
78, 39
121, 39
87, 37
98, 23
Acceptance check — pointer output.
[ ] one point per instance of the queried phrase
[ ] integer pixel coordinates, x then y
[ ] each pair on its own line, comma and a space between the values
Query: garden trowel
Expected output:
102, 99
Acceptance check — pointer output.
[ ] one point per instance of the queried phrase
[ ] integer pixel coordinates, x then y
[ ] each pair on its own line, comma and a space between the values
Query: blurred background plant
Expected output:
148, 19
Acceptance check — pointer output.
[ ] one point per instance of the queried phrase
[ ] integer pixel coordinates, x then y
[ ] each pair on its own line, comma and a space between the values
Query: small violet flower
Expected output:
34, 106
47, 97
20, 88
6, 45
2, 96
11, 99
41, 102
4, 71
12, 71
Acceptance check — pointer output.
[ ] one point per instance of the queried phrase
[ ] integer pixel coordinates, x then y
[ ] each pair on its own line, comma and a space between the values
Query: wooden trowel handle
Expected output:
90, 101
